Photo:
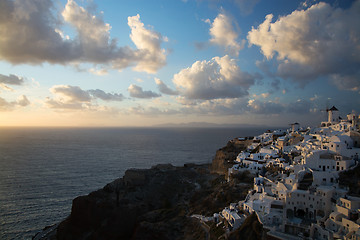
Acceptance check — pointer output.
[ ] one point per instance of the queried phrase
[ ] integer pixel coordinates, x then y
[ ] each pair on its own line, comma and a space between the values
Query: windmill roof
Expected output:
333, 109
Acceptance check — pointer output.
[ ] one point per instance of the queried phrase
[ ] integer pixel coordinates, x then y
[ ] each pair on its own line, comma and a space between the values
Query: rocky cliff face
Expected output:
225, 157
154, 203
149, 204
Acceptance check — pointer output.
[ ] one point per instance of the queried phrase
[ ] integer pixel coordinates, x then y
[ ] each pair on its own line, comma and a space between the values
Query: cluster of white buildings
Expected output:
302, 199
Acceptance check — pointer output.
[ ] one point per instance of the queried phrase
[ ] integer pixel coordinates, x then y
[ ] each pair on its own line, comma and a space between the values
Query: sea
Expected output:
43, 169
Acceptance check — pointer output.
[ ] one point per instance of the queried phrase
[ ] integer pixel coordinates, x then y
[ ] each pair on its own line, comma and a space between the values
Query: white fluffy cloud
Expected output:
137, 92
319, 41
150, 55
163, 88
223, 34
218, 78
73, 97
30, 33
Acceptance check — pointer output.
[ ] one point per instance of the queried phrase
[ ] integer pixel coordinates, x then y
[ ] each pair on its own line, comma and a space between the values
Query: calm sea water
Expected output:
43, 169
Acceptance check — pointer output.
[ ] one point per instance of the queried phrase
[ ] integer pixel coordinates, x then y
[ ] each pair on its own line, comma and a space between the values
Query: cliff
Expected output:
225, 157
154, 203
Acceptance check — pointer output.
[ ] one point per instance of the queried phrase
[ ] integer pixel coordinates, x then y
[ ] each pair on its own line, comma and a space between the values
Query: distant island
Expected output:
297, 183
208, 125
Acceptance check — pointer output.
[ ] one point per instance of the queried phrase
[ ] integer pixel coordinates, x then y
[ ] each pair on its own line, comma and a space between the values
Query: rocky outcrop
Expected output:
251, 229
155, 203
225, 157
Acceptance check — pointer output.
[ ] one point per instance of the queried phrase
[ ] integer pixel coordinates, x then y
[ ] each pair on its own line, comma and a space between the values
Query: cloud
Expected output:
11, 79
5, 105
349, 82
215, 107
266, 107
223, 34
30, 33
73, 97
71, 94
299, 107
218, 78
137, 92
97, 93
98, 72
151, 56
22, 101
272, 107
307, 44
163, 88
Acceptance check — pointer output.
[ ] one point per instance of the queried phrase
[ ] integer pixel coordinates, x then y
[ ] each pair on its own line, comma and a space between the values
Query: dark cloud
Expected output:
299, 107
349, 82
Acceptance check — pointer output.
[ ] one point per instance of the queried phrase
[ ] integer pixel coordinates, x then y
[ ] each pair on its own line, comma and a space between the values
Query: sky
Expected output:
144, 63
